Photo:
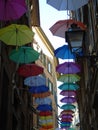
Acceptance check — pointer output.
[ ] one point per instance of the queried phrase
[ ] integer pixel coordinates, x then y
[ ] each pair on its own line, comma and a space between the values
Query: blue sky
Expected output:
49, 16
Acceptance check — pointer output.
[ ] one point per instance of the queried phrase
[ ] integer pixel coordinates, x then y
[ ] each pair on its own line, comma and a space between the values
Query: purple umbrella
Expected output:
68, 93
12, 9
66, 116
68, 100
68, 68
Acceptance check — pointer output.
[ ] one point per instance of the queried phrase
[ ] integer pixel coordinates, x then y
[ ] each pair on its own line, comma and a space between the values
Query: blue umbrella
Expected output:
68, 86
68, 107
45, 100
38, 89
44, 107
64, 52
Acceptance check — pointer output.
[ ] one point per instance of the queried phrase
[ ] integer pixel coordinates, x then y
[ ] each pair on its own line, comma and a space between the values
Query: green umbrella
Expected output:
68, 107
24, 55
16, 35
69, 78
68, 86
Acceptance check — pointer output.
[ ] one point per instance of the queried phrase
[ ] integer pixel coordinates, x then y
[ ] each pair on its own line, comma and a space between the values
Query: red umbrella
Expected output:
67, 111
45, 113
66, 119
12, 9
59, 28
68, 93
30, 70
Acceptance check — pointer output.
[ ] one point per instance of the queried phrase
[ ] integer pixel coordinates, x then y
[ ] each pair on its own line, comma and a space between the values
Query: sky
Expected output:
48, 17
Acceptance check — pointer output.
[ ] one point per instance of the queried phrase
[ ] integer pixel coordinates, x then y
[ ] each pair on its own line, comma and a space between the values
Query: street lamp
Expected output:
75, 38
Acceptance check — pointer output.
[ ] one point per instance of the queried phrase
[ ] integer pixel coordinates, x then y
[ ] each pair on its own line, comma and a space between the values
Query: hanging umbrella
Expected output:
45, 113
67, 4
69, 78
30, 70
38, 89
68, 107
64, 116
68, 93
41, 95
69, 86
61, 26
45, 100
24, 55
16, 35
45, 118
35, 81
68, 68
12, 9
67, 111
44, 107
64, 52
68, 100
66, 120
49, 127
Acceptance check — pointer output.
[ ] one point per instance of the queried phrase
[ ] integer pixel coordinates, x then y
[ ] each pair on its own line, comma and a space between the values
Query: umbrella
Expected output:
45, 113
45, 100
68, 93
67, 4
41, 95
64, 52
67, 111
38, 89
69, 78
66, 120
35, 81
68, 100
16, 35
68, 107
68, 68
45, 118
66, 116
12, 9
48, 127
29, 70
68, 86
44, 107
61, 26
24, 55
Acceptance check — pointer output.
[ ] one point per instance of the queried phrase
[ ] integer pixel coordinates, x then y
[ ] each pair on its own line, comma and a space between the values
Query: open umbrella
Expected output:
59, 28
30, 70
68, 100
66, 120
68, 93
41, 95
12, 9
68, 107
24, 54
35, 81
44, 107
69, 78
64, 116
38, 89
69, 86
64, 52
68, 68
45, 113
45, 100
66, 111
16, 35
43, 118
67, 4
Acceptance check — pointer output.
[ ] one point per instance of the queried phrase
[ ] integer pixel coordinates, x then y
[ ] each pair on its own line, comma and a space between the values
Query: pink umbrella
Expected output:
12, 9
70, 93
68, 68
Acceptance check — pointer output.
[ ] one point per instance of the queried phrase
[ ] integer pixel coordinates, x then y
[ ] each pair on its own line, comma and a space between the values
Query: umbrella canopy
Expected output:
45, 100
12, 9
68, 107
24, 55
59, 28
68, 68
64, 52
66, 120
48, 127
45, 113
68, 100
69, 86
67, 4
35, 81
30, 70
41, 95
64, 116
38, 89
44, 107
16, 35
68, 93
45, 118
69, 78
67, 111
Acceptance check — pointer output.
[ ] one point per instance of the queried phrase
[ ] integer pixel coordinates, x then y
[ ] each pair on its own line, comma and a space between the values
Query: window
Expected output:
49, 67
50, 85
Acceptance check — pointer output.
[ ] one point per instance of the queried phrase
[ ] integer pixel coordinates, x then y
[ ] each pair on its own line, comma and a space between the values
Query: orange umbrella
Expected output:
41, 95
